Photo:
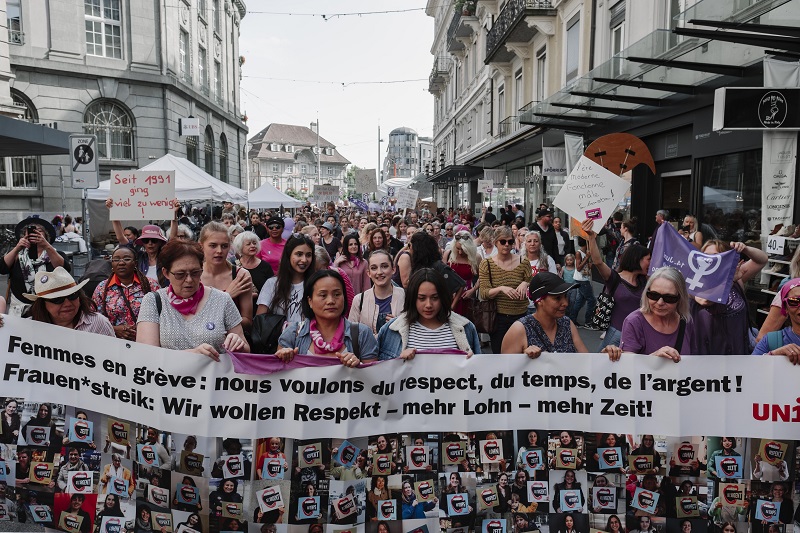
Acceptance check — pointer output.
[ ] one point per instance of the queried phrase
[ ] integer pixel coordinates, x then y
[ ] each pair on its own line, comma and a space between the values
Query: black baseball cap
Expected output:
545, 283
275, 220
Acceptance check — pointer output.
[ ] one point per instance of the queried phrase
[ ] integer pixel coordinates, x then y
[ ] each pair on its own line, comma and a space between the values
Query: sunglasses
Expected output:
668, 298
462, 237
505, 242
194, 274
274, 226
61, 299
794, 301
150, 241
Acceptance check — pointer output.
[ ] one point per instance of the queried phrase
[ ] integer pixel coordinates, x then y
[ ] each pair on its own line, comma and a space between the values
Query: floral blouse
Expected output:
115, 306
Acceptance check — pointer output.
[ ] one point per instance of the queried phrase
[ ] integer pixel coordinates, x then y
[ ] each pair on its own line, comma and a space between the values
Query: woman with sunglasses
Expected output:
283, 294
626, 284
786, 341
222, 275
58, 300
662, 325
505, 278
119, 298
187, 315
463, 257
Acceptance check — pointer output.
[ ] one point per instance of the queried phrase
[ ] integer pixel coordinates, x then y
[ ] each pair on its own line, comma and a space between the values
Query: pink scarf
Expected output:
335, 344
186, 306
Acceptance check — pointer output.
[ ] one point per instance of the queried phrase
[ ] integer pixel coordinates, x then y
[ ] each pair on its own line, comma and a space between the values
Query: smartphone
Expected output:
31, 229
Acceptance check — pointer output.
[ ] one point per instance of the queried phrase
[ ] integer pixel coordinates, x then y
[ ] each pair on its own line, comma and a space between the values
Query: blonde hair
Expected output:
469, 249
503, 232
676, 278
213, 227
542, 259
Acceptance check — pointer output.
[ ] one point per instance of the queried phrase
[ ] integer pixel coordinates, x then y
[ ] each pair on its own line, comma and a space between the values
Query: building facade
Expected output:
126, 71
407, 154
294, 159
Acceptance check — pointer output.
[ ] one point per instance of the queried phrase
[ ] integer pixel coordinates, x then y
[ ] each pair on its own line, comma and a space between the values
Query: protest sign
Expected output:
407, 198
365, 180
326, 193
485, 186
707, 276
141, 195
591, 191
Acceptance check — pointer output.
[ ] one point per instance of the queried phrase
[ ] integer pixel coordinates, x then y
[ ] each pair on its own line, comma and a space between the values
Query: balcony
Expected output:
526, 113
507, 126
440, 73
518, 22
461, 28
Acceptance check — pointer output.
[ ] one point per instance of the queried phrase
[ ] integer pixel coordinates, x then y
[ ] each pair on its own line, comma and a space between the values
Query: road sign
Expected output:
84, 167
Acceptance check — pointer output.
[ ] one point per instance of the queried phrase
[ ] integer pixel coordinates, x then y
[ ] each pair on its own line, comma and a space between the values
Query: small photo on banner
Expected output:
772, 460
116, 475
455, 450
383, 453
494, 525
494, 450
232, 462
422, 525
381, 492
605, 451
346, 501
645, 500
39, 423
384, 526
271, 462
647, 455
687, 454
692, 525
80, 482
429, 442
72, 512
313, 457
189, 492
568, 490
80, 431
117, 434
768, 510
464, 483
565, 449
563, 522
607, 493
724, 447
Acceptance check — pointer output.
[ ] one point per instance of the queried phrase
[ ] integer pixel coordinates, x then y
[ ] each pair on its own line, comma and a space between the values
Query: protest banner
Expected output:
365, 180
407, 198
326, 193
591, 191
142, 195
267, 436
707, 276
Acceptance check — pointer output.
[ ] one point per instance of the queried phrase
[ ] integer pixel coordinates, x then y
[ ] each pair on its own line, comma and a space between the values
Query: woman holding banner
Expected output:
187, 315
327, 332
662, 325
384, 301
427, 322
786, 341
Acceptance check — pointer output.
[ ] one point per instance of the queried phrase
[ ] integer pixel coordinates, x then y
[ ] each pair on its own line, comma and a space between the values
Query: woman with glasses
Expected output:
505, 278
283, 294
58, 300
222, 275
662, 325
272, 247
187, 315
463, 258
786, 341
120, 296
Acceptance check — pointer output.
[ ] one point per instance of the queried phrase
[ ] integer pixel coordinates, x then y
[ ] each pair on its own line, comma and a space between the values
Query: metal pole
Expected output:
380, 173
85, 230
319, 155
63, 196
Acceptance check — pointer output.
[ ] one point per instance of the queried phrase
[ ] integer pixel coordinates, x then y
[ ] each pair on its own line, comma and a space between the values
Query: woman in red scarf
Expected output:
187, 315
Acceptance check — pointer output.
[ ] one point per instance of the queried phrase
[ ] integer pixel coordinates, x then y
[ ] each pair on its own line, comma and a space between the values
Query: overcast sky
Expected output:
340, 50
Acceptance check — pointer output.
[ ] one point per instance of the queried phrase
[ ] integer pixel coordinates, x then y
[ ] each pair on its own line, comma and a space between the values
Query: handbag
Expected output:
267, 329
484, 312
605, 305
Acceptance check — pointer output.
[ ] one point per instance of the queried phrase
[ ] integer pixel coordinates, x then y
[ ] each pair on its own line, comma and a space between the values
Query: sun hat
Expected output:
788, 286
328, 226
151, 231
48, 227
545, 283
51, 285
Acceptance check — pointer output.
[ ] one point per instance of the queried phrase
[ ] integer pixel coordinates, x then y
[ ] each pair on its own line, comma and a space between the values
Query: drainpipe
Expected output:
592, 34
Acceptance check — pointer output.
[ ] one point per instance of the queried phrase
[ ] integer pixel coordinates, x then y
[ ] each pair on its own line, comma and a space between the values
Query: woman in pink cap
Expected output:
786, 341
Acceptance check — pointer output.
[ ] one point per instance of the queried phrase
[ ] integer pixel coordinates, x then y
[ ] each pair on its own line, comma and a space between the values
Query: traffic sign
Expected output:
84, 167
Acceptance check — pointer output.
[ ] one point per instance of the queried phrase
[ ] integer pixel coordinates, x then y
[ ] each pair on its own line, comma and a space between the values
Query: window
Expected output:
289, 148
208, 148
617, 38
223, 158
20, 172
276, 167
183, 50
573, 48
218, 81
276, 183
215, 15
304, 184
329, 171
202, 7
501, 103
541, 74
518, 92
191, 149
103, 28
14, 22
114, 129
201, 70
274, 147
290, 169
303, 168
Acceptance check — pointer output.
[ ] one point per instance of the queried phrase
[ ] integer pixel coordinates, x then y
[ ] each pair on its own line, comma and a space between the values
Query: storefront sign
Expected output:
756, 108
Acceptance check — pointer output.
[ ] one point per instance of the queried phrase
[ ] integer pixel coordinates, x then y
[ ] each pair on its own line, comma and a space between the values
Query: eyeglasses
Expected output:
668, 298
150, 241
794, 301
505, 242
180, 276
60, 300
122, 260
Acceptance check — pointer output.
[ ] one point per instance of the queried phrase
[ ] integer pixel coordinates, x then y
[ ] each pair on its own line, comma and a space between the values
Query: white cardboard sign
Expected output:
326, 193
407, 198
591, 191
141, 195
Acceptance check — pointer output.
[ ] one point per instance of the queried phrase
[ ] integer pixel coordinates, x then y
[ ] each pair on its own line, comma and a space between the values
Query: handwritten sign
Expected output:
141, 195
485, 186
407, 198
326, 193
591, 191
365, 181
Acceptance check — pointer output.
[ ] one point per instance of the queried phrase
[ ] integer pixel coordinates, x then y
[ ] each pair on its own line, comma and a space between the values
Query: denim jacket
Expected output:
298, 335
393, 337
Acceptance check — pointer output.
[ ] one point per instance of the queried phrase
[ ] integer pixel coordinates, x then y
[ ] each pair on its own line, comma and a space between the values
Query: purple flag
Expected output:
359, 204
256, 363
707, 276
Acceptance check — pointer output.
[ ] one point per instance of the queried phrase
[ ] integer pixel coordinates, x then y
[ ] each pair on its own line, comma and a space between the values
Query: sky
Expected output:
342, 52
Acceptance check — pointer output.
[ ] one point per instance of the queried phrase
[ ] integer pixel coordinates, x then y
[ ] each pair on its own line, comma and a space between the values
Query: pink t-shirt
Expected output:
271, 253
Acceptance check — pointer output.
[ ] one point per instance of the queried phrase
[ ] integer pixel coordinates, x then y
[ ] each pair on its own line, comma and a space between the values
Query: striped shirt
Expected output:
422, 338
505, 278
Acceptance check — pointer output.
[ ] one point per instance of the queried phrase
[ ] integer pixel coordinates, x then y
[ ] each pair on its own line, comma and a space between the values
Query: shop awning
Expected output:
21, 138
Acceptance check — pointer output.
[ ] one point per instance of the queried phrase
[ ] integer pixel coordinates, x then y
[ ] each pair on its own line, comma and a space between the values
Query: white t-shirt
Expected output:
294, 312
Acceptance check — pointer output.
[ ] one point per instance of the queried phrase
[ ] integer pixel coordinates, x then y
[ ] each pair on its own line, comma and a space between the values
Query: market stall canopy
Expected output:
268, 197
397, 183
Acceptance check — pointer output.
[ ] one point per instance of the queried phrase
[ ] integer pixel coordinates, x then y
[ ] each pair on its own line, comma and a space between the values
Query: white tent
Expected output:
397, 183
268, 197
191, 184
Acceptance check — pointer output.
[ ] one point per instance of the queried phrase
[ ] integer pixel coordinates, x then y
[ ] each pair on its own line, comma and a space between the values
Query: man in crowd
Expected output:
544, 226
662, 215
